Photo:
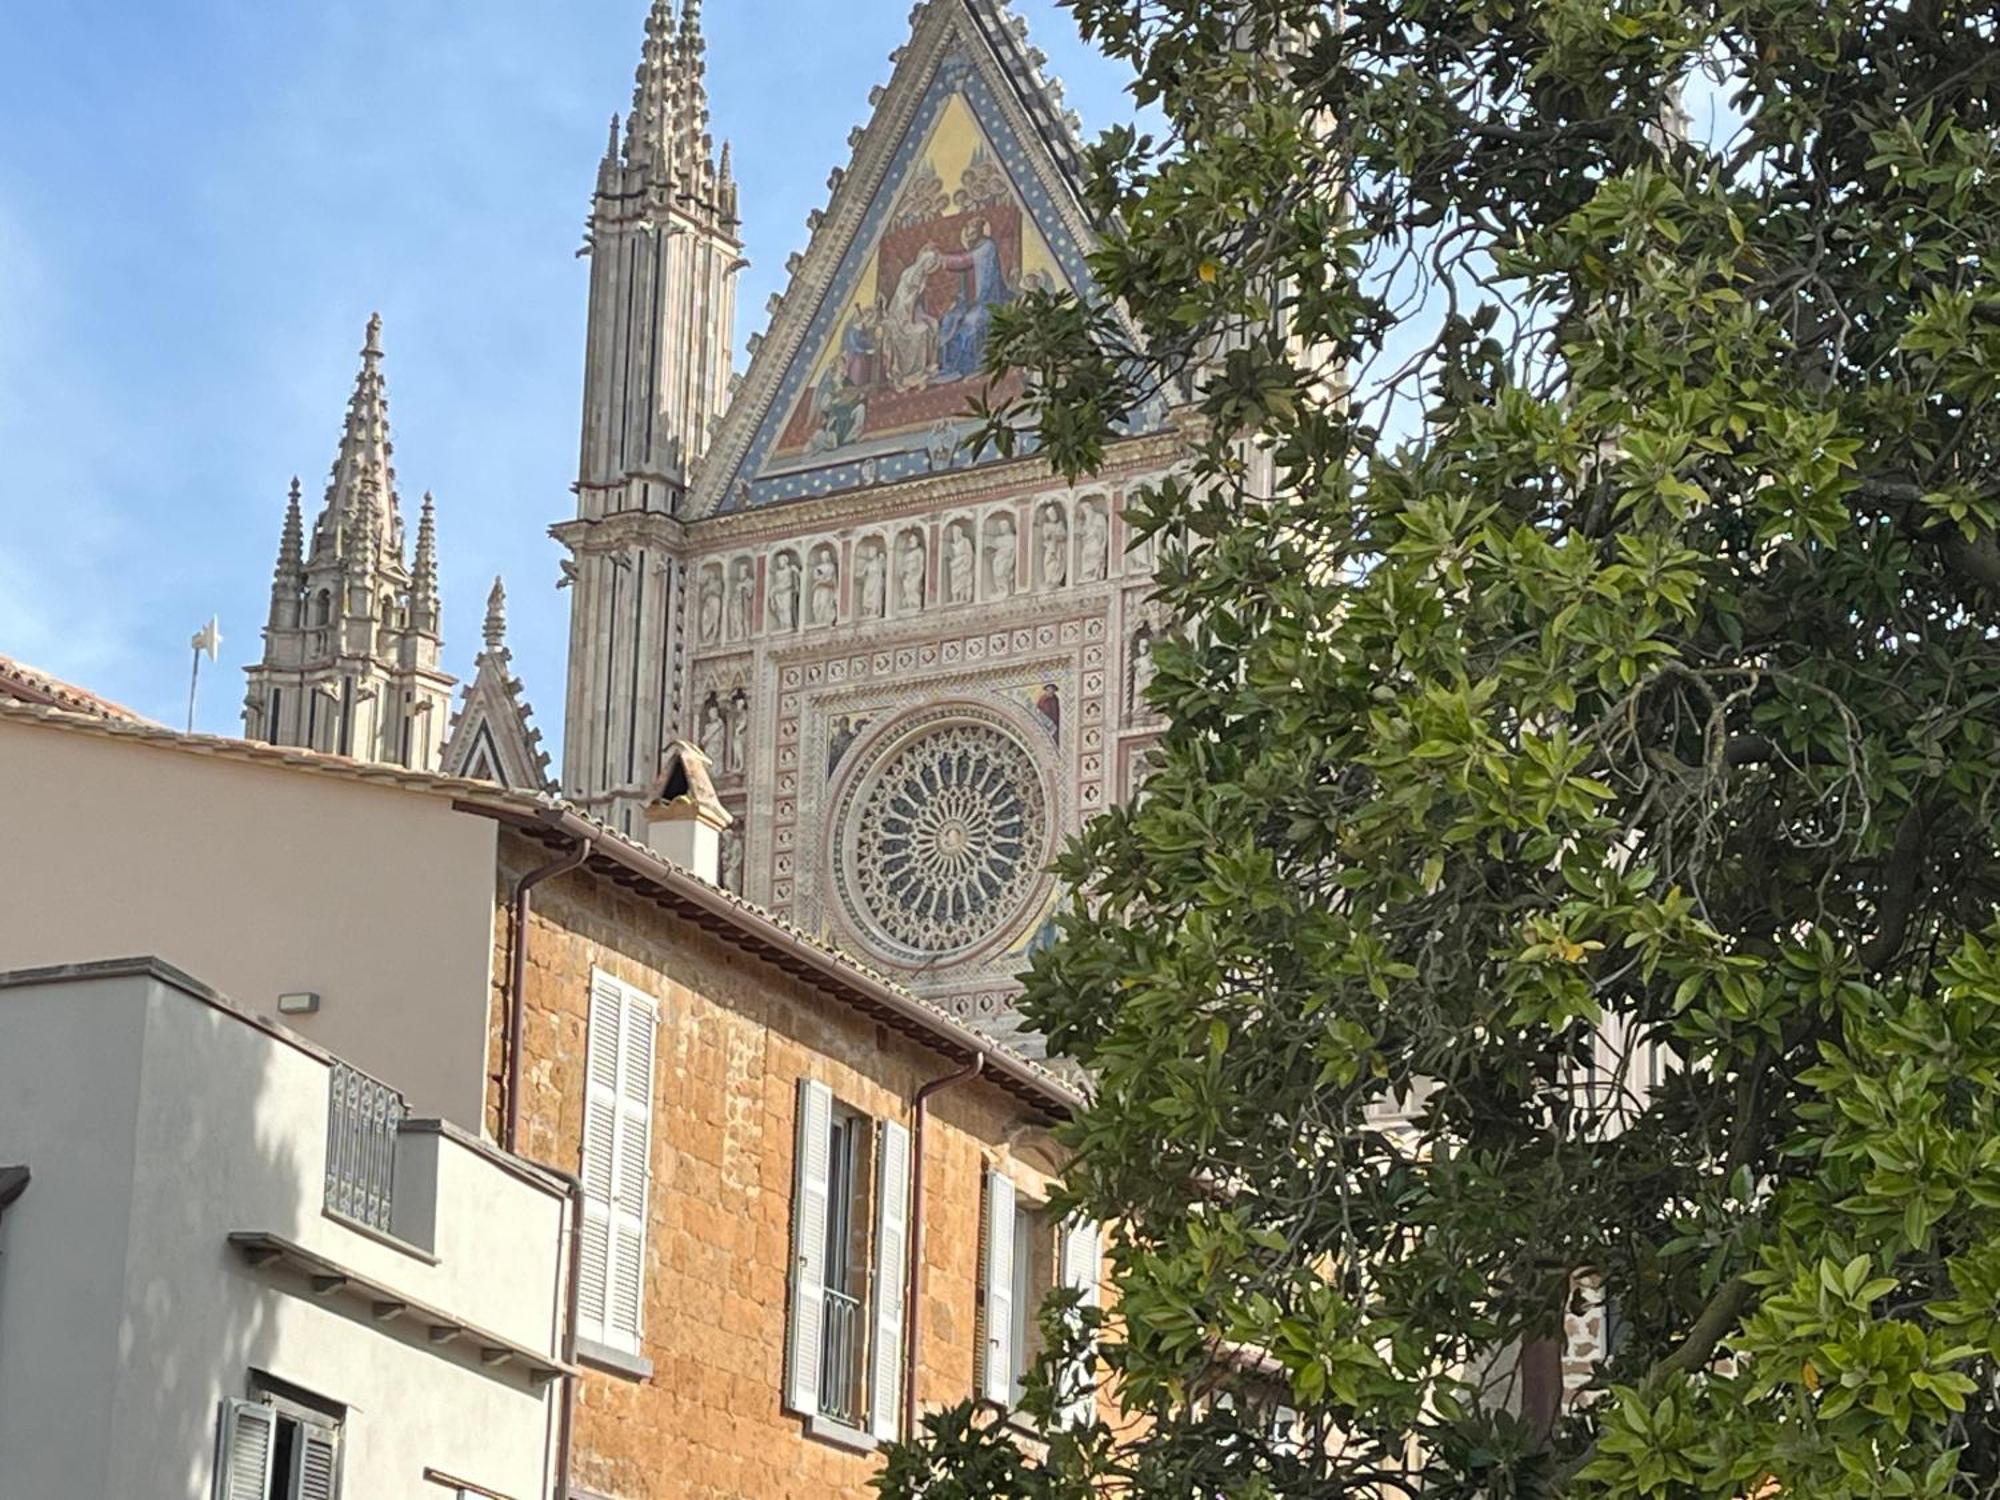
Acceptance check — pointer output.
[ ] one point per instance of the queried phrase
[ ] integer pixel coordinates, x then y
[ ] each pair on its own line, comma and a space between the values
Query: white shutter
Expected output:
600, 1149
632, 1171
892, 1237
1082, 1262
996, 1370
809, 1208
617, 1162
243, 1451
315, 1464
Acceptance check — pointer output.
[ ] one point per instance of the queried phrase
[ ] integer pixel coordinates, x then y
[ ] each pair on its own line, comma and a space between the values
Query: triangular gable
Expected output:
960, 196
492, 735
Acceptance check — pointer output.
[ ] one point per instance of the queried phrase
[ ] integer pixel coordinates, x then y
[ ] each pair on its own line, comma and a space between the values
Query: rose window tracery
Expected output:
944, 839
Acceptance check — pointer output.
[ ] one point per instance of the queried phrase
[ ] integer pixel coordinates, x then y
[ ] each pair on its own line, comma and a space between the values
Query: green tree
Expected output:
1587, 584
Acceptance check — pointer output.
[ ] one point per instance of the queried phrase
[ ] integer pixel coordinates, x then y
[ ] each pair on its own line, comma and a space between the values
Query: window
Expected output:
617, 1163
850, 1218
1034, 1276
272, 1449
1025, 1254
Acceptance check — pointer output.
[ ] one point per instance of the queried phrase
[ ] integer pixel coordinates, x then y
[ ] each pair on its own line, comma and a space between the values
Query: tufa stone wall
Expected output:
736, 1036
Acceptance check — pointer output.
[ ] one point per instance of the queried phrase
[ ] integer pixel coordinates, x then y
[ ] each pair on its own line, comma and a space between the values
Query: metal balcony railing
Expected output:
840, 1359
362, 1117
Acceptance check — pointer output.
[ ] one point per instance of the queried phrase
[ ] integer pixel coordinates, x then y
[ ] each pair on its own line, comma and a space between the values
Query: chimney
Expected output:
684, 817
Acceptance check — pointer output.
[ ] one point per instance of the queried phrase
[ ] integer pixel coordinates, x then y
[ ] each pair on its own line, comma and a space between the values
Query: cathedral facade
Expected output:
916, 669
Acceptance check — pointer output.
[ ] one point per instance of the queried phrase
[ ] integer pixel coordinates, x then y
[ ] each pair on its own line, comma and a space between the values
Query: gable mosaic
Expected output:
894, 356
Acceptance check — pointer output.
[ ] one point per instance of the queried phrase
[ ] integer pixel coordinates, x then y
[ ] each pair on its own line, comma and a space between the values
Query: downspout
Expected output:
517, 973
913, 1279
566, 1423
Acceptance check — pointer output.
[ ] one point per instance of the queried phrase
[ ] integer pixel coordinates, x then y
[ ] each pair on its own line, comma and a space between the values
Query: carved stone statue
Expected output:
1000, 556
714, 733
1143, 669
710, 612
739, 732
1093, 542
742, 594
824, 601
732, 862
959, 562
872, 573
910, 573
1053, 528
784, 592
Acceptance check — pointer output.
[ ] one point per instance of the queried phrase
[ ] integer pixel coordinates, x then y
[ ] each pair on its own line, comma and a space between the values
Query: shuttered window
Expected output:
996, 1365
267, 1454
892, 1236
1022, 1257
249, 1441
617, 1162
844, 1331
1082, 1261
810, 1170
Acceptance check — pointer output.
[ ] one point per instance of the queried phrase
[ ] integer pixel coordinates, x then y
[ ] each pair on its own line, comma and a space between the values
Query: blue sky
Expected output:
202, 200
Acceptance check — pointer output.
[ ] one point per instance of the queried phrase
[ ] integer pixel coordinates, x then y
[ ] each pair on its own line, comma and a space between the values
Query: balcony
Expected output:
364, 1118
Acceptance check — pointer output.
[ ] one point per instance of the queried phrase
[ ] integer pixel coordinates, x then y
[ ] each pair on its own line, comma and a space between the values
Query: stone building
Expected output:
915, 669
810, 1202
353, 644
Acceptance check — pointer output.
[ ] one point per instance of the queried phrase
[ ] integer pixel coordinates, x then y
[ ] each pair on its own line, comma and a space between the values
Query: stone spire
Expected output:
351, 660
665, 253
424, 605
693, 161
649, 129
363, 464
496, 617
288, 578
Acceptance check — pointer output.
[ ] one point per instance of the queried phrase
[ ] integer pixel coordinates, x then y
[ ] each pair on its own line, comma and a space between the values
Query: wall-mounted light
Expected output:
300, 1003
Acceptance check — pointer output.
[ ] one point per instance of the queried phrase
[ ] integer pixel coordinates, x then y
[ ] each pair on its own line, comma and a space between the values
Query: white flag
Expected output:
209, 638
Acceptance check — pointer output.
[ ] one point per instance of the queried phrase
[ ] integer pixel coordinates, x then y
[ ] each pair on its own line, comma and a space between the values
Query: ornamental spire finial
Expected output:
649, 128
496, 616
362, 462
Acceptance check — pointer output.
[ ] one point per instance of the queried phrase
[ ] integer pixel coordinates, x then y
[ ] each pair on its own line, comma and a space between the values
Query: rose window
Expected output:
945, 838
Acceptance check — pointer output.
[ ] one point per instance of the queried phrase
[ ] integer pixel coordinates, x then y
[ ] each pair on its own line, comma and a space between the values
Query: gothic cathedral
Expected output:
915, 671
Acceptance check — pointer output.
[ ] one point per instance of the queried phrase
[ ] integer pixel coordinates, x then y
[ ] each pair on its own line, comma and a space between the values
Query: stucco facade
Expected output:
164, 1129
264, 880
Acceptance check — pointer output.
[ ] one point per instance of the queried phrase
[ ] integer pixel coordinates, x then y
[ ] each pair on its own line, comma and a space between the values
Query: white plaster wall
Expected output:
262, 881
155, 1127
225, 1131
257, 1128
69, 1076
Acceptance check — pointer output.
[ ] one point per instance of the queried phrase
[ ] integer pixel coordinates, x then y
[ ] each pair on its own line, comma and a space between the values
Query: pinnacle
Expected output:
291, 541
361, 494
496, 616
